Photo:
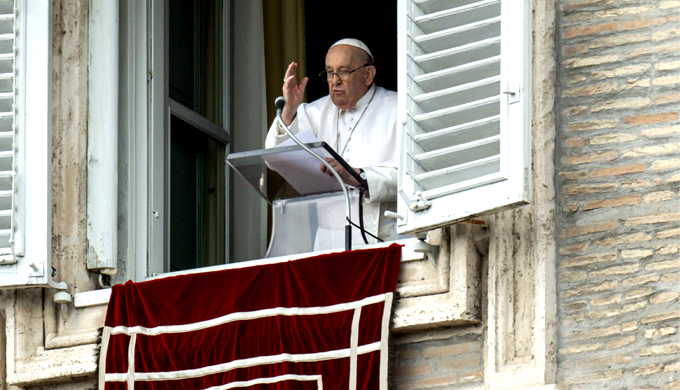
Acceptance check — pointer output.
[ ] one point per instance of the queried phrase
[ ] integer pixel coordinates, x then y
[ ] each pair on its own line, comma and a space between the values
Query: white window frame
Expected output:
33, 144
511, 187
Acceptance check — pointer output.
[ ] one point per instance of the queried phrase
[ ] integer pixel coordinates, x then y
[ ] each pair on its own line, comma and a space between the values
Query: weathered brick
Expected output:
574, 276
580, 348
660, 196
591, 289
649, 278
440, 380
575, 110
663, 265
672, 367
579, 78
668, 233
651, 50
612, 138
652, 118
589, 259
622, 342
675, 385
666, 164
634, 183
661, 131
620, 239
642, 23
639, 293
579, 317
648, 370
590, 228
598, 314
573, 175
649, 219
618, 270
571, 50
589, 30
651, 150
667, 65
590, 188
590, 158
411, 371
665, 99
673, 277
671, 315
661, 332
620, 103
636, 83
597, 89
569, 207
626, 70
409, 354
470, 377
447, 350
669, 4
575, 306
666, 349
597, 377
590, 61
615, 202
668, 80
665, 34
620, 170
605, 360
606, 301
574, 248
592, 125
576, 142
571, 7
664, 297
629, 326
463, 362
631, 253
612, 13
618, 40
667, 249
673, 178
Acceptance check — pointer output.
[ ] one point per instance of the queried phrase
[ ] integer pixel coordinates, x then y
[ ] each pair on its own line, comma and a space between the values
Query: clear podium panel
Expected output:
314, 223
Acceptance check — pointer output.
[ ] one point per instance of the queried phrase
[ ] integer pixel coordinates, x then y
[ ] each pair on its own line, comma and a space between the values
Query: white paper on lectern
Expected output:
301, 169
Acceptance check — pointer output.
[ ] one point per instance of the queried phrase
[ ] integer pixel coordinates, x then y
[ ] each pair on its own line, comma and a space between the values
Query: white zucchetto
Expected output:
355, 43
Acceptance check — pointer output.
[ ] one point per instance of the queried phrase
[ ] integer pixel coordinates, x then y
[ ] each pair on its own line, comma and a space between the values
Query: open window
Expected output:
464, 99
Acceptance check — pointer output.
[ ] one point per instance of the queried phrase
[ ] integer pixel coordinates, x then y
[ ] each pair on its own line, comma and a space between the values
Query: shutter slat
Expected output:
460, 36
431, 6
459, 95
459, 154
457, 135
451, 77
460, 55
460, 16
452, 176
454, 116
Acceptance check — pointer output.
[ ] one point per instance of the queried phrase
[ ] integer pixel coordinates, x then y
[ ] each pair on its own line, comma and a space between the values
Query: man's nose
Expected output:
335, 79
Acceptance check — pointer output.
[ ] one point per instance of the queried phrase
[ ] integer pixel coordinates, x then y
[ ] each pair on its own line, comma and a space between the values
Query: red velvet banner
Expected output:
315, 323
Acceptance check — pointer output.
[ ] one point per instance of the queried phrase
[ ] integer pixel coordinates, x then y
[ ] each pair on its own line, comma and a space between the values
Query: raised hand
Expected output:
292, 92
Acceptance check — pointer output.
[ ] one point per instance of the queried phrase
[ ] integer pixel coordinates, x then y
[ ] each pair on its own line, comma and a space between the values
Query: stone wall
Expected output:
618, 212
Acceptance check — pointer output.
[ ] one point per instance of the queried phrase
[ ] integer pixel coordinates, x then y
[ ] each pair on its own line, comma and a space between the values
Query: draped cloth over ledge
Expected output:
314, 323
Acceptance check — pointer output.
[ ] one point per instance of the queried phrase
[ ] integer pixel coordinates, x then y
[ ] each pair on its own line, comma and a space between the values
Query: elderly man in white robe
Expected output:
359, 120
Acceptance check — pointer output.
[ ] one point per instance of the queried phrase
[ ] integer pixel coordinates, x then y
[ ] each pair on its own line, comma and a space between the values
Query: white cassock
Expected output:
366, 136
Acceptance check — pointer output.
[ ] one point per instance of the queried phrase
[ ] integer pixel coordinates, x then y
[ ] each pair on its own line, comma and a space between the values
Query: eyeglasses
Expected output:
343, 74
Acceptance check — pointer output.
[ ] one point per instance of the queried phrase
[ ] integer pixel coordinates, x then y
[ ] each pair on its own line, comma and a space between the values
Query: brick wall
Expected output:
449, 359
617, 194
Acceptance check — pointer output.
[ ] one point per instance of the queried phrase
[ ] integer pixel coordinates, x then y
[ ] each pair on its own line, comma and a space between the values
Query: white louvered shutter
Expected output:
464, 96
25, 144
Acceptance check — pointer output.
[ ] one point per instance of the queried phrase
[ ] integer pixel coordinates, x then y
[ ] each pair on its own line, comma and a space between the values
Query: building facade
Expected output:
578, 289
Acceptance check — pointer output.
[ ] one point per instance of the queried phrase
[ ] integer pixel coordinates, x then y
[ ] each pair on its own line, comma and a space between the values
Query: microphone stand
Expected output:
280, 103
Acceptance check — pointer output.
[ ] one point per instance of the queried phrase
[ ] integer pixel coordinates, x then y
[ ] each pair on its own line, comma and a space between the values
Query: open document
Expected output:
301, 169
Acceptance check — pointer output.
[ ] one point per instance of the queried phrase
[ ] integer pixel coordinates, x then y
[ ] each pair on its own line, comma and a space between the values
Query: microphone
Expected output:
280, 103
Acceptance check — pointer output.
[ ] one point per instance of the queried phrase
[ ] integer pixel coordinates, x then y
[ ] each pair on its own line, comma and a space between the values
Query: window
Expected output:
25, 144
464, 96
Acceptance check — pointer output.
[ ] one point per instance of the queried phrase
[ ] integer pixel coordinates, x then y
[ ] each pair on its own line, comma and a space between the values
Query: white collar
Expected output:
364, 99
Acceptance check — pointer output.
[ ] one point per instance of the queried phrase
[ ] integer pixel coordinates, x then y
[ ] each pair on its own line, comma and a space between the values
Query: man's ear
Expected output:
370, 75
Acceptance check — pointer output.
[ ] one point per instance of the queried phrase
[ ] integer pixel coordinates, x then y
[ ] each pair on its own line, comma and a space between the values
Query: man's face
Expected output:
346, 94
